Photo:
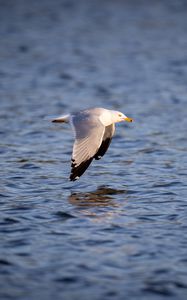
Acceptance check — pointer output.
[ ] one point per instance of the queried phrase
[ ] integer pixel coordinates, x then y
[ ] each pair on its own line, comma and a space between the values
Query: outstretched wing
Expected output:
89, 133
107, 138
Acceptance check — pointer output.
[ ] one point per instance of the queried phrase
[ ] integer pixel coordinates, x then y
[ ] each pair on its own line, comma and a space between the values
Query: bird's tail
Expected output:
61, 119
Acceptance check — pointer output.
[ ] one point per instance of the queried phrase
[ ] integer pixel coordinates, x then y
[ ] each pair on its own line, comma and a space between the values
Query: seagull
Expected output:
93, 129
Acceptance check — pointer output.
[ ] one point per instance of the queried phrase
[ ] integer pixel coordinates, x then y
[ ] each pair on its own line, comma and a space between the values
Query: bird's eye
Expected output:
120, 115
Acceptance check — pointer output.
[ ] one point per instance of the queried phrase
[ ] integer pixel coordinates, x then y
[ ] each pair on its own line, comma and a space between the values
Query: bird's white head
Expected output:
108, 117
118, 116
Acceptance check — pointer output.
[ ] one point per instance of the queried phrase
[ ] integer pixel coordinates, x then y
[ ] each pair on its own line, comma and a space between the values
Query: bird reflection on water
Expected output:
103, 196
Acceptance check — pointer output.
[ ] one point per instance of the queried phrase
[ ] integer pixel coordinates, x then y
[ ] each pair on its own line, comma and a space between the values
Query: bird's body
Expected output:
94, 129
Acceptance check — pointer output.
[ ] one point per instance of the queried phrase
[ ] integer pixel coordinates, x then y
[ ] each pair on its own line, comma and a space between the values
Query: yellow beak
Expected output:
128, 119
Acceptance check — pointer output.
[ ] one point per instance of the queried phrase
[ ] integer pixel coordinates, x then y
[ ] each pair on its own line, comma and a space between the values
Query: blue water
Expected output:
120, 231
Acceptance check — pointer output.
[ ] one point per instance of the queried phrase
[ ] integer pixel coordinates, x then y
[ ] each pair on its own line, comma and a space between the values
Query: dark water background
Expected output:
121, 231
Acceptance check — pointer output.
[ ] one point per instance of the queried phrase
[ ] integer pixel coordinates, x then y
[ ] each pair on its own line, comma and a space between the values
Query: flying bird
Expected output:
93, 129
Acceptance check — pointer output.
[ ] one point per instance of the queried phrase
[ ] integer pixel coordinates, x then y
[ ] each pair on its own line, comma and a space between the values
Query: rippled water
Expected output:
120, 231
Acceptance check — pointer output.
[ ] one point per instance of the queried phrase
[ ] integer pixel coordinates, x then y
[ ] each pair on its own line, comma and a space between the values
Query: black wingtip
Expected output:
77, 171
72, 177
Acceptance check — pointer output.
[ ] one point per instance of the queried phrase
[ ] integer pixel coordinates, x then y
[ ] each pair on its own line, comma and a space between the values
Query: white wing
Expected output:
89, 132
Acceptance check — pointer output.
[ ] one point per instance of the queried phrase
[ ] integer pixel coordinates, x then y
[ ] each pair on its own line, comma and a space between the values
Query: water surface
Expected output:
120, 231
